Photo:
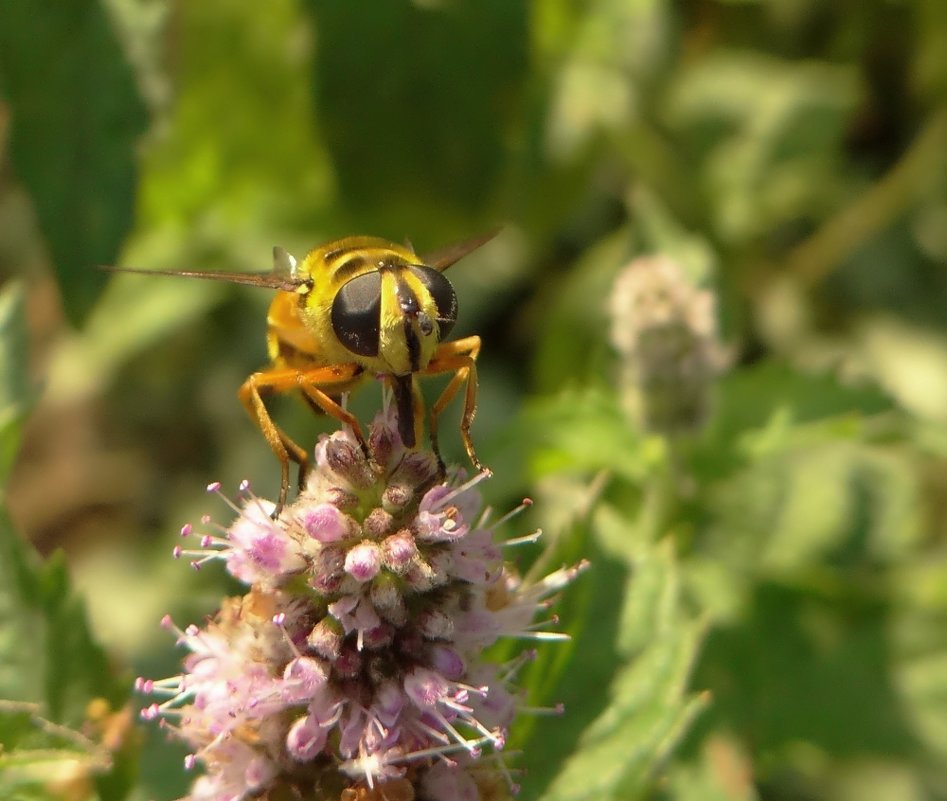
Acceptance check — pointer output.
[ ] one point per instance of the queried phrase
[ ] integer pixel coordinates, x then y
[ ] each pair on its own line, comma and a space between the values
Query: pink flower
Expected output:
357, 652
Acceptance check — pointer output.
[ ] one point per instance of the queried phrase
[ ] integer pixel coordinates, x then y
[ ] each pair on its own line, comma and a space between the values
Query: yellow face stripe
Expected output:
393, 345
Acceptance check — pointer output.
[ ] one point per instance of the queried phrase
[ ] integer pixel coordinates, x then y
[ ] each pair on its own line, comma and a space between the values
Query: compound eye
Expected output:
356, 314
444, 297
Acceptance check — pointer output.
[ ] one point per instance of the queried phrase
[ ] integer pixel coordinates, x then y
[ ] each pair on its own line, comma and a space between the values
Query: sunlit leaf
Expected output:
49, 656
584, 431
649, 707
832, 507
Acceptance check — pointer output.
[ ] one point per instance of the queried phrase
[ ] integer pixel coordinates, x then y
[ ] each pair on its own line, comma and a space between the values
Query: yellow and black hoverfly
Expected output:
351, 309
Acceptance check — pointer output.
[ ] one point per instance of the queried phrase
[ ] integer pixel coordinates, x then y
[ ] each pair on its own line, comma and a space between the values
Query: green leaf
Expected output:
723, 773
648, 709
829, 511
765, 407
415, 102
38, 757
750, 397
768, 134
808, 668
46, 648
49, 660
922, 679
238, 167
16, 392
76, 115
931, 58
573, 673
583, 431
574, 322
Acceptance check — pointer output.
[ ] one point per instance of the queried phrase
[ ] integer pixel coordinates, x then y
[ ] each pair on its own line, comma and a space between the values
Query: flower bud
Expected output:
305, 739
363, 561
446, 782
346, 460
399, 551
447, 662
665, 331
325, 523
397, 497
326, 638
378, 523
435, 624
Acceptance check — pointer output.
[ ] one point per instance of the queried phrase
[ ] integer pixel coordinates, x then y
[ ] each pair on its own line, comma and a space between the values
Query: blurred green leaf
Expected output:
572, 674
239, 167
723, 772
583, 431
649, 708
609, 57
48, 653
767, 134
76, 117
931, 54
826, 512
415, 103
49, 659
805, 667
923, 680
38, 758
661, 232
151, 308
762, 406
16, 392
908, 360
574, 322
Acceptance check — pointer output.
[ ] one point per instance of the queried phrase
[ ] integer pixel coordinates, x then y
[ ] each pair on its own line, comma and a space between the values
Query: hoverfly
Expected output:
352, 309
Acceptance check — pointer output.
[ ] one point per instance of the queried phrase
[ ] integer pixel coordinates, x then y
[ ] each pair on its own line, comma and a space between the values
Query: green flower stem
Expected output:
923, 163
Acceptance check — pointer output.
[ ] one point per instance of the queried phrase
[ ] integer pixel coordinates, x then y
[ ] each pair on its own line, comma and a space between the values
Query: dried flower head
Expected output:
353, 668
665, 330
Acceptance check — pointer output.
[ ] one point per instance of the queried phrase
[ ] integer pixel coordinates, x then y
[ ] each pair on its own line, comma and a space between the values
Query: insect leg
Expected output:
280, 443
459, 357
288, 379
311, 381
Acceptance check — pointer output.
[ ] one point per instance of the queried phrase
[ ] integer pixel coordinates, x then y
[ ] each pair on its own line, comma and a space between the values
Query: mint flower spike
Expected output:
664, 328
353, 667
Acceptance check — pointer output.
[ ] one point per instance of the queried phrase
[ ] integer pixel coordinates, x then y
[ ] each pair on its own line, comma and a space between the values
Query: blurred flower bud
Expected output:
665, 330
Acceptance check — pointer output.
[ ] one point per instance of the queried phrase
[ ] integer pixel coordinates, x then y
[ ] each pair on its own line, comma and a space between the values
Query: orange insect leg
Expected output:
460, 358
282, 381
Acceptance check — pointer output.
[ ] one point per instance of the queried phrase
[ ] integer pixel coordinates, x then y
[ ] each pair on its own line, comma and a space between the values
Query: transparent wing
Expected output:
444, 257
288, 282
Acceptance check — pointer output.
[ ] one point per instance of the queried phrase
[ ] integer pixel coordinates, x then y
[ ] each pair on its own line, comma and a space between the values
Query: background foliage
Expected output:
766, 614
